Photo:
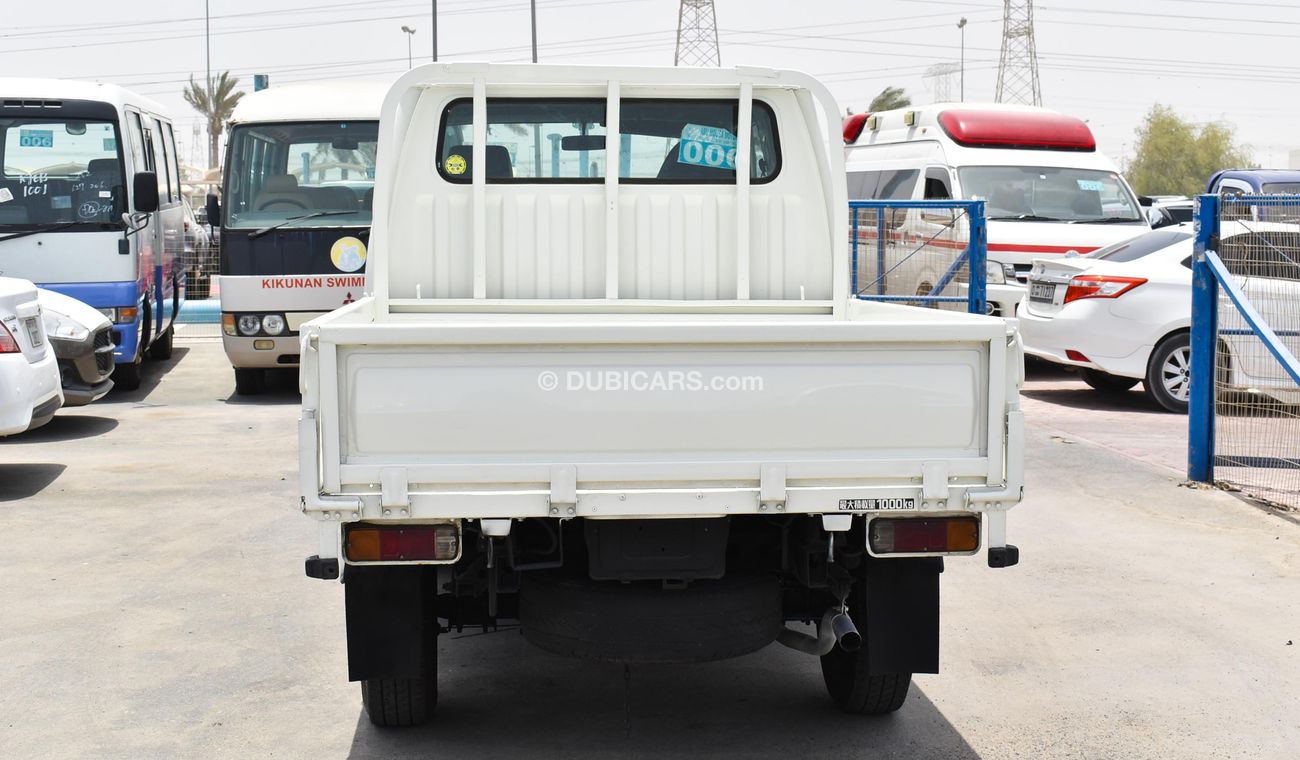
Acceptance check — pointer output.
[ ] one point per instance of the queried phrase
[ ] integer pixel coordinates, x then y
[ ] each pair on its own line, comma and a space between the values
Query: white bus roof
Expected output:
15, 88
923, 122
312, 102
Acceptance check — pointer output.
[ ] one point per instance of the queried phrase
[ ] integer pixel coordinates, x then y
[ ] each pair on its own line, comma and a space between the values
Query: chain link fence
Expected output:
921, 253
1256, 395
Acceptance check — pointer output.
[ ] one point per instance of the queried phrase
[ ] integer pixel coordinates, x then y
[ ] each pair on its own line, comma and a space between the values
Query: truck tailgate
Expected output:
449, 406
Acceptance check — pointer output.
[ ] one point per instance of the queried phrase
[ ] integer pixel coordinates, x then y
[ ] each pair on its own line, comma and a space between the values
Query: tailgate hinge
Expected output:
393, 493
934, 481
564, 490
771, 487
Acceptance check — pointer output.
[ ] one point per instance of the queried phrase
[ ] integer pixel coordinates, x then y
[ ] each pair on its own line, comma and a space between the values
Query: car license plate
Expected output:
881, 505
1042, 291
34, 332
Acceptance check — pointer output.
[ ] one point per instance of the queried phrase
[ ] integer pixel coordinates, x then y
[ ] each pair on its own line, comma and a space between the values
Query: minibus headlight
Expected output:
273, 324
249, 324
110, 312
996, 274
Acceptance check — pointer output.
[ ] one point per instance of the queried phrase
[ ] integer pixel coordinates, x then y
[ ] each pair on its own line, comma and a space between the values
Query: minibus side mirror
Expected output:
145, 191
213, 208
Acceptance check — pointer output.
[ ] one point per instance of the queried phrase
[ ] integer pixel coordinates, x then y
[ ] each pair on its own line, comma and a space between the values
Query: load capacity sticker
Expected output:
713, 147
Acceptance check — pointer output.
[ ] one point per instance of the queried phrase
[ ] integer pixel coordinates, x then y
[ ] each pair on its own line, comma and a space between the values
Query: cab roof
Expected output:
310, 102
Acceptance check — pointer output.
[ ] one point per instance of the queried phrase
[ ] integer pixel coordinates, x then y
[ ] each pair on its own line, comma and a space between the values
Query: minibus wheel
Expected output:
249, 382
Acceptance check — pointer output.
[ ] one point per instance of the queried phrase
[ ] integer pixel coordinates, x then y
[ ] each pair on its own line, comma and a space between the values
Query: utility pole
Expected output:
410, 32
697, 35
434, 18
1018, 64
962, 26
533, 5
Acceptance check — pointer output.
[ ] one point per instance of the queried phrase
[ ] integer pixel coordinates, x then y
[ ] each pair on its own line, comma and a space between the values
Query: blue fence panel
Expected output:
1244, 417
919, 258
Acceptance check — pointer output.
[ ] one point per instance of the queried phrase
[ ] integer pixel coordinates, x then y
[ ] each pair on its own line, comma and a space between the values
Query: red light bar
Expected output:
853, 127
1017, 129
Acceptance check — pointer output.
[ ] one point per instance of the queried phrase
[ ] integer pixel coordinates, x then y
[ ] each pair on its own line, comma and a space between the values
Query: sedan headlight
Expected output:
996, 274
64, 327
249, 324
273, 324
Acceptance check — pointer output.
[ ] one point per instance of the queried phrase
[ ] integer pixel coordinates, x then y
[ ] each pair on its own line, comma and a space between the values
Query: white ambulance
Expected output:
1048, 191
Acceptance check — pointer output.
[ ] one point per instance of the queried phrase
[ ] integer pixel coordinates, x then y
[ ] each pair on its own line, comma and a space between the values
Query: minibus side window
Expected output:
862, 185
936, 184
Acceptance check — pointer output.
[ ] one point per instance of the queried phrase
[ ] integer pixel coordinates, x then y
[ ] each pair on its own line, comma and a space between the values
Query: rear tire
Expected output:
849, 681
1106, 382
399, 702
1168, 379
249, 382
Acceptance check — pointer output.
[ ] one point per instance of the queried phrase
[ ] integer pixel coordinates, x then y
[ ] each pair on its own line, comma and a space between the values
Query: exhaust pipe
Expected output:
836, 628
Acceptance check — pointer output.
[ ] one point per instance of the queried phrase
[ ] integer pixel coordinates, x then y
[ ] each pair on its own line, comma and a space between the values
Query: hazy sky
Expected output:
1106, 61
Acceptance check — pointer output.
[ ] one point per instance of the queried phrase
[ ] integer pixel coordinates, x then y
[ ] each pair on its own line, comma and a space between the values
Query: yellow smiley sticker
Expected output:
455, 164
348, 254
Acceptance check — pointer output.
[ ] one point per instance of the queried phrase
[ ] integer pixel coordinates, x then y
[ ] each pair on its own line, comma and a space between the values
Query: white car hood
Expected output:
71, 309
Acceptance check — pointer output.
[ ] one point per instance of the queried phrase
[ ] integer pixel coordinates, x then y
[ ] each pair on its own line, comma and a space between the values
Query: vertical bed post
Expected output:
479, 180
744, 121
613, 164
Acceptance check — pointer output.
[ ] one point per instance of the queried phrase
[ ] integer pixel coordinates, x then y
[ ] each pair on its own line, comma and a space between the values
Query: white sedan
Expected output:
1123, 314
30, 391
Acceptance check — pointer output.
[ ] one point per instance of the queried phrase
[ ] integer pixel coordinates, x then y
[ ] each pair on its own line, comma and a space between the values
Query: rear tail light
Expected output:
402, 543
1100, 286
7, 343
915, 535
1076, 356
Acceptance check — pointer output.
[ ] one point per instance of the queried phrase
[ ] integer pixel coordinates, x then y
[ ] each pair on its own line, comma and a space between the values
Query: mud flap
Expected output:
391, 621
903, 614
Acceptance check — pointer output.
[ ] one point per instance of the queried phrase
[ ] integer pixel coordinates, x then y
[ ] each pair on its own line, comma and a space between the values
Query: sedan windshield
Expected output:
60, 172
1043, 193
283, 174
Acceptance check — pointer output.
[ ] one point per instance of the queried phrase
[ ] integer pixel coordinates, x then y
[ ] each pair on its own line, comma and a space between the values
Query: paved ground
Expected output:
154, 607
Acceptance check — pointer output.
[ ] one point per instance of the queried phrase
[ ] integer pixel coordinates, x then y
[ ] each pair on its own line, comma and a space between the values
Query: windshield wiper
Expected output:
1106, 220
1024, 218
312, 215
43, 228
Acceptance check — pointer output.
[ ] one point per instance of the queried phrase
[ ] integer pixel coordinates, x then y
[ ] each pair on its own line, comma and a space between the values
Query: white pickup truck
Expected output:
610, 382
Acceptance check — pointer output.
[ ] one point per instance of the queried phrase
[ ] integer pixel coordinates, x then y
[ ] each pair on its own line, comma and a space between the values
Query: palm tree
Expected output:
889, 99
216, 103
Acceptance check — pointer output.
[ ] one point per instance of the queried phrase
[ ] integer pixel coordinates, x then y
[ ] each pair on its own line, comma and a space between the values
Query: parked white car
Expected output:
82, 340
29, 377
1123, 314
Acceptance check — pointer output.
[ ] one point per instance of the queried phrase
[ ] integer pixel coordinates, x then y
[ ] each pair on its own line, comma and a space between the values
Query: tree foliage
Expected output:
1175, 156
216, 103
889, 99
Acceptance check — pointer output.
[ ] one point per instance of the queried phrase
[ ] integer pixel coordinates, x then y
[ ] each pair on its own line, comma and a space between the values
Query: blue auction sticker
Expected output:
1092, 185
36, 138
713, 147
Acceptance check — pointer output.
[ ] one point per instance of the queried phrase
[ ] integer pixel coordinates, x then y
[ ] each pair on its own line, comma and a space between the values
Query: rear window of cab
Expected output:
532, 140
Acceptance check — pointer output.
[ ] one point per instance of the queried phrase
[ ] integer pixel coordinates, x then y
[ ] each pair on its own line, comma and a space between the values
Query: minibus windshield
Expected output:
60, 174
282, 174
1053, 194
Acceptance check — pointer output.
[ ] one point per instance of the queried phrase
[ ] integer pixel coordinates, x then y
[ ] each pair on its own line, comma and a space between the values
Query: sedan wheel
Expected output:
1169, 373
